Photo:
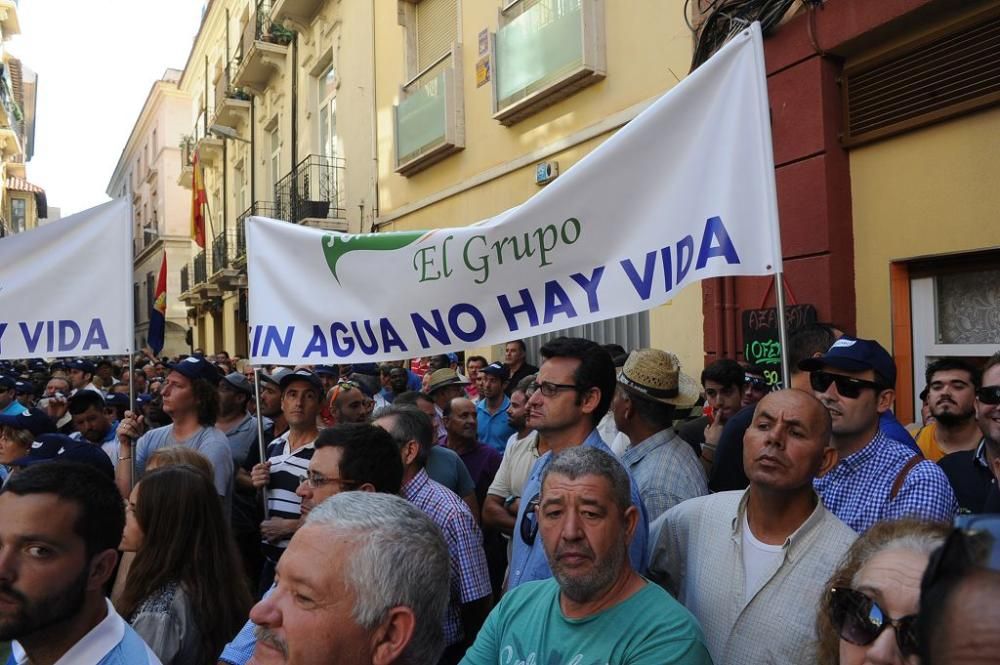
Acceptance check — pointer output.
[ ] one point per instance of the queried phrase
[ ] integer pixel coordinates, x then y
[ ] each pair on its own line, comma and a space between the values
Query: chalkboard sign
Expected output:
761, 343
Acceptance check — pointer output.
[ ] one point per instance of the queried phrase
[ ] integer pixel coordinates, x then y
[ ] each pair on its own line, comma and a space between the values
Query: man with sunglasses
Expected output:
574, 389
352, 457
876, 478
745, 561
974, 473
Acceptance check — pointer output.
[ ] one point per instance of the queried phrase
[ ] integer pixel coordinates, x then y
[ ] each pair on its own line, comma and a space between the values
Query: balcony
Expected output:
9, 23
11, 119
311, 194
258, 209
225, 271
208, 147
545, 52
300, 12
232, 104
429, 119
185, 279
201, 288
187, 157
262, 49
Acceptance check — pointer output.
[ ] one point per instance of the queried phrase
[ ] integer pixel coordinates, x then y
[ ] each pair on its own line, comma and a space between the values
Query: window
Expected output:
274, 164
136, 305
239, 179
326, 88
435, 28
954, 313
544, 51
18, 215
150, 293
156, 144
429, 118
631, 331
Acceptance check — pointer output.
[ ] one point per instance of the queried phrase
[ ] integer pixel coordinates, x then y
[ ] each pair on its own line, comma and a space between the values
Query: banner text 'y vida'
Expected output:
60, 336
655, 273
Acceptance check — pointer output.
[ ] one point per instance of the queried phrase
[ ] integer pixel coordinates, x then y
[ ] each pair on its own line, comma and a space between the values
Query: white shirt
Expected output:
760, 560
93, 646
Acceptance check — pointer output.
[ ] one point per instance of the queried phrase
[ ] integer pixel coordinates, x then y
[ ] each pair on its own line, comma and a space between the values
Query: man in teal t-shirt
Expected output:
596, 609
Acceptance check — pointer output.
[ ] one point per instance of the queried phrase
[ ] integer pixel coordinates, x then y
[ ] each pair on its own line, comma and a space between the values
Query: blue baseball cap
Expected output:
7, 382
24, 387
193, 368
59, 447
498, 370
116, 399
303, 375
82, 365
855, 355
32, 420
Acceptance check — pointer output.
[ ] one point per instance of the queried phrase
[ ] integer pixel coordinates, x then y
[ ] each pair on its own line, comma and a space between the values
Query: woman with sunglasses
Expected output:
869, 611
183, 594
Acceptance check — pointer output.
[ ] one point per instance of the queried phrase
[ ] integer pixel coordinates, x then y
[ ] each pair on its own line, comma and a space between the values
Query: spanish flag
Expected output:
158, 310
198, 199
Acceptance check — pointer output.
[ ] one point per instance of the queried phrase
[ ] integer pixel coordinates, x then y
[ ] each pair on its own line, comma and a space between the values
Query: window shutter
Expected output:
437, 28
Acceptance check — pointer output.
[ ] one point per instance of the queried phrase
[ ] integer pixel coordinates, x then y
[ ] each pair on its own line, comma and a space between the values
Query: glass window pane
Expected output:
538, 47
968, 308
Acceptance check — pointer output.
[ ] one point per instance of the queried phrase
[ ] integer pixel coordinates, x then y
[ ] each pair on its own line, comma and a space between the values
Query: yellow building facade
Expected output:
281, 120
480, 103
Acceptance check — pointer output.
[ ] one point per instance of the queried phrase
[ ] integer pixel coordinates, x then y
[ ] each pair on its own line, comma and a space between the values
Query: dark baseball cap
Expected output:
7, 382
302, 375
117, 399
59, 447
23, 387
327, 370
498, 370
196, 368
82, 365
276, 376
238, 382
32, 420
855, 355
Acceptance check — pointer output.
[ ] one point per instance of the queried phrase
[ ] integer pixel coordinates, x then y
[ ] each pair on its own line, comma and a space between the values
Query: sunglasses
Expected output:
847, 386
859, 620
755, 382
989, 394
529, 523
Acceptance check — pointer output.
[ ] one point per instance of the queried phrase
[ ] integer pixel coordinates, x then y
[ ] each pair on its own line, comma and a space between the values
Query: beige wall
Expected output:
928, 192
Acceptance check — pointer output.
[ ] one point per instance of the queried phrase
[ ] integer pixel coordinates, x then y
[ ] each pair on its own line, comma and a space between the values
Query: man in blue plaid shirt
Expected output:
877, 478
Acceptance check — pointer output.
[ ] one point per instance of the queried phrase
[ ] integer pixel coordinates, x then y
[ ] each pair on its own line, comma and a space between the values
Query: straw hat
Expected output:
445, 376
657, 375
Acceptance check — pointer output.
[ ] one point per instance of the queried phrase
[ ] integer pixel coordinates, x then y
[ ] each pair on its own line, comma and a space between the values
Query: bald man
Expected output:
747, 559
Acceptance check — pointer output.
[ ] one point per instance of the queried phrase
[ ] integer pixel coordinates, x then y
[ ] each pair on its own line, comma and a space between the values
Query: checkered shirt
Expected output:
666, 470
470, 579
857, 489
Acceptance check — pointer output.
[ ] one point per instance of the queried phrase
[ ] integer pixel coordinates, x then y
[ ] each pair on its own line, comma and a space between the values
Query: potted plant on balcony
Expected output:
281, 35
239, 93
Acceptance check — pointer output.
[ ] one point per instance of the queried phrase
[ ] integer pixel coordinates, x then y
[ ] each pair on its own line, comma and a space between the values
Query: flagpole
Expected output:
260, 431
786, 377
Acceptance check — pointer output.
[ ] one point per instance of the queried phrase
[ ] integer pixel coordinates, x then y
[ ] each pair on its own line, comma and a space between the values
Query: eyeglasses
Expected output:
755, 382
847, 386
859, 620
989, 394
315, 481
550, 389
529, 522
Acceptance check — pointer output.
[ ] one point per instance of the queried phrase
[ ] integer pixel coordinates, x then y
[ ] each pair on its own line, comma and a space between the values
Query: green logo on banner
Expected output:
335, 247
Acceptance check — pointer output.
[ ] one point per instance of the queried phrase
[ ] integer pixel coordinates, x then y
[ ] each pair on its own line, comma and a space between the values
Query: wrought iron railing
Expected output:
200, 267
312, 190
258, 209
185, 278
220, 252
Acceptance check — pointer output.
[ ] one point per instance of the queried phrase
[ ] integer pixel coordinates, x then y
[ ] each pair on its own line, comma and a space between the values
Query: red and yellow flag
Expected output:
158, 310
198, 199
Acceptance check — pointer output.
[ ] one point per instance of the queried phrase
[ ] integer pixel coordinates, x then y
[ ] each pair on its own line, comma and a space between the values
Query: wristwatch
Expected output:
509, 501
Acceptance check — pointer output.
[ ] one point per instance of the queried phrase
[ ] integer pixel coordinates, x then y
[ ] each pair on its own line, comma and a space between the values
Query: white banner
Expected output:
682, 193
66, 287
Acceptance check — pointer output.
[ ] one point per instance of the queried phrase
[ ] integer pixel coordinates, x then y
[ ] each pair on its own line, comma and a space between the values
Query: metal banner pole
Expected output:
131, 407
779, 289
260, 433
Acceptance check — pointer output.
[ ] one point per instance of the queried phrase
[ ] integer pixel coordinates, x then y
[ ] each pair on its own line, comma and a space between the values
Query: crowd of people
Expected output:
604, 507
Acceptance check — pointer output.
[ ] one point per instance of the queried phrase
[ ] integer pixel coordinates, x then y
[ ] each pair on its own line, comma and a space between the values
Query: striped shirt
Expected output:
858, 489
288, 469
470, 579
